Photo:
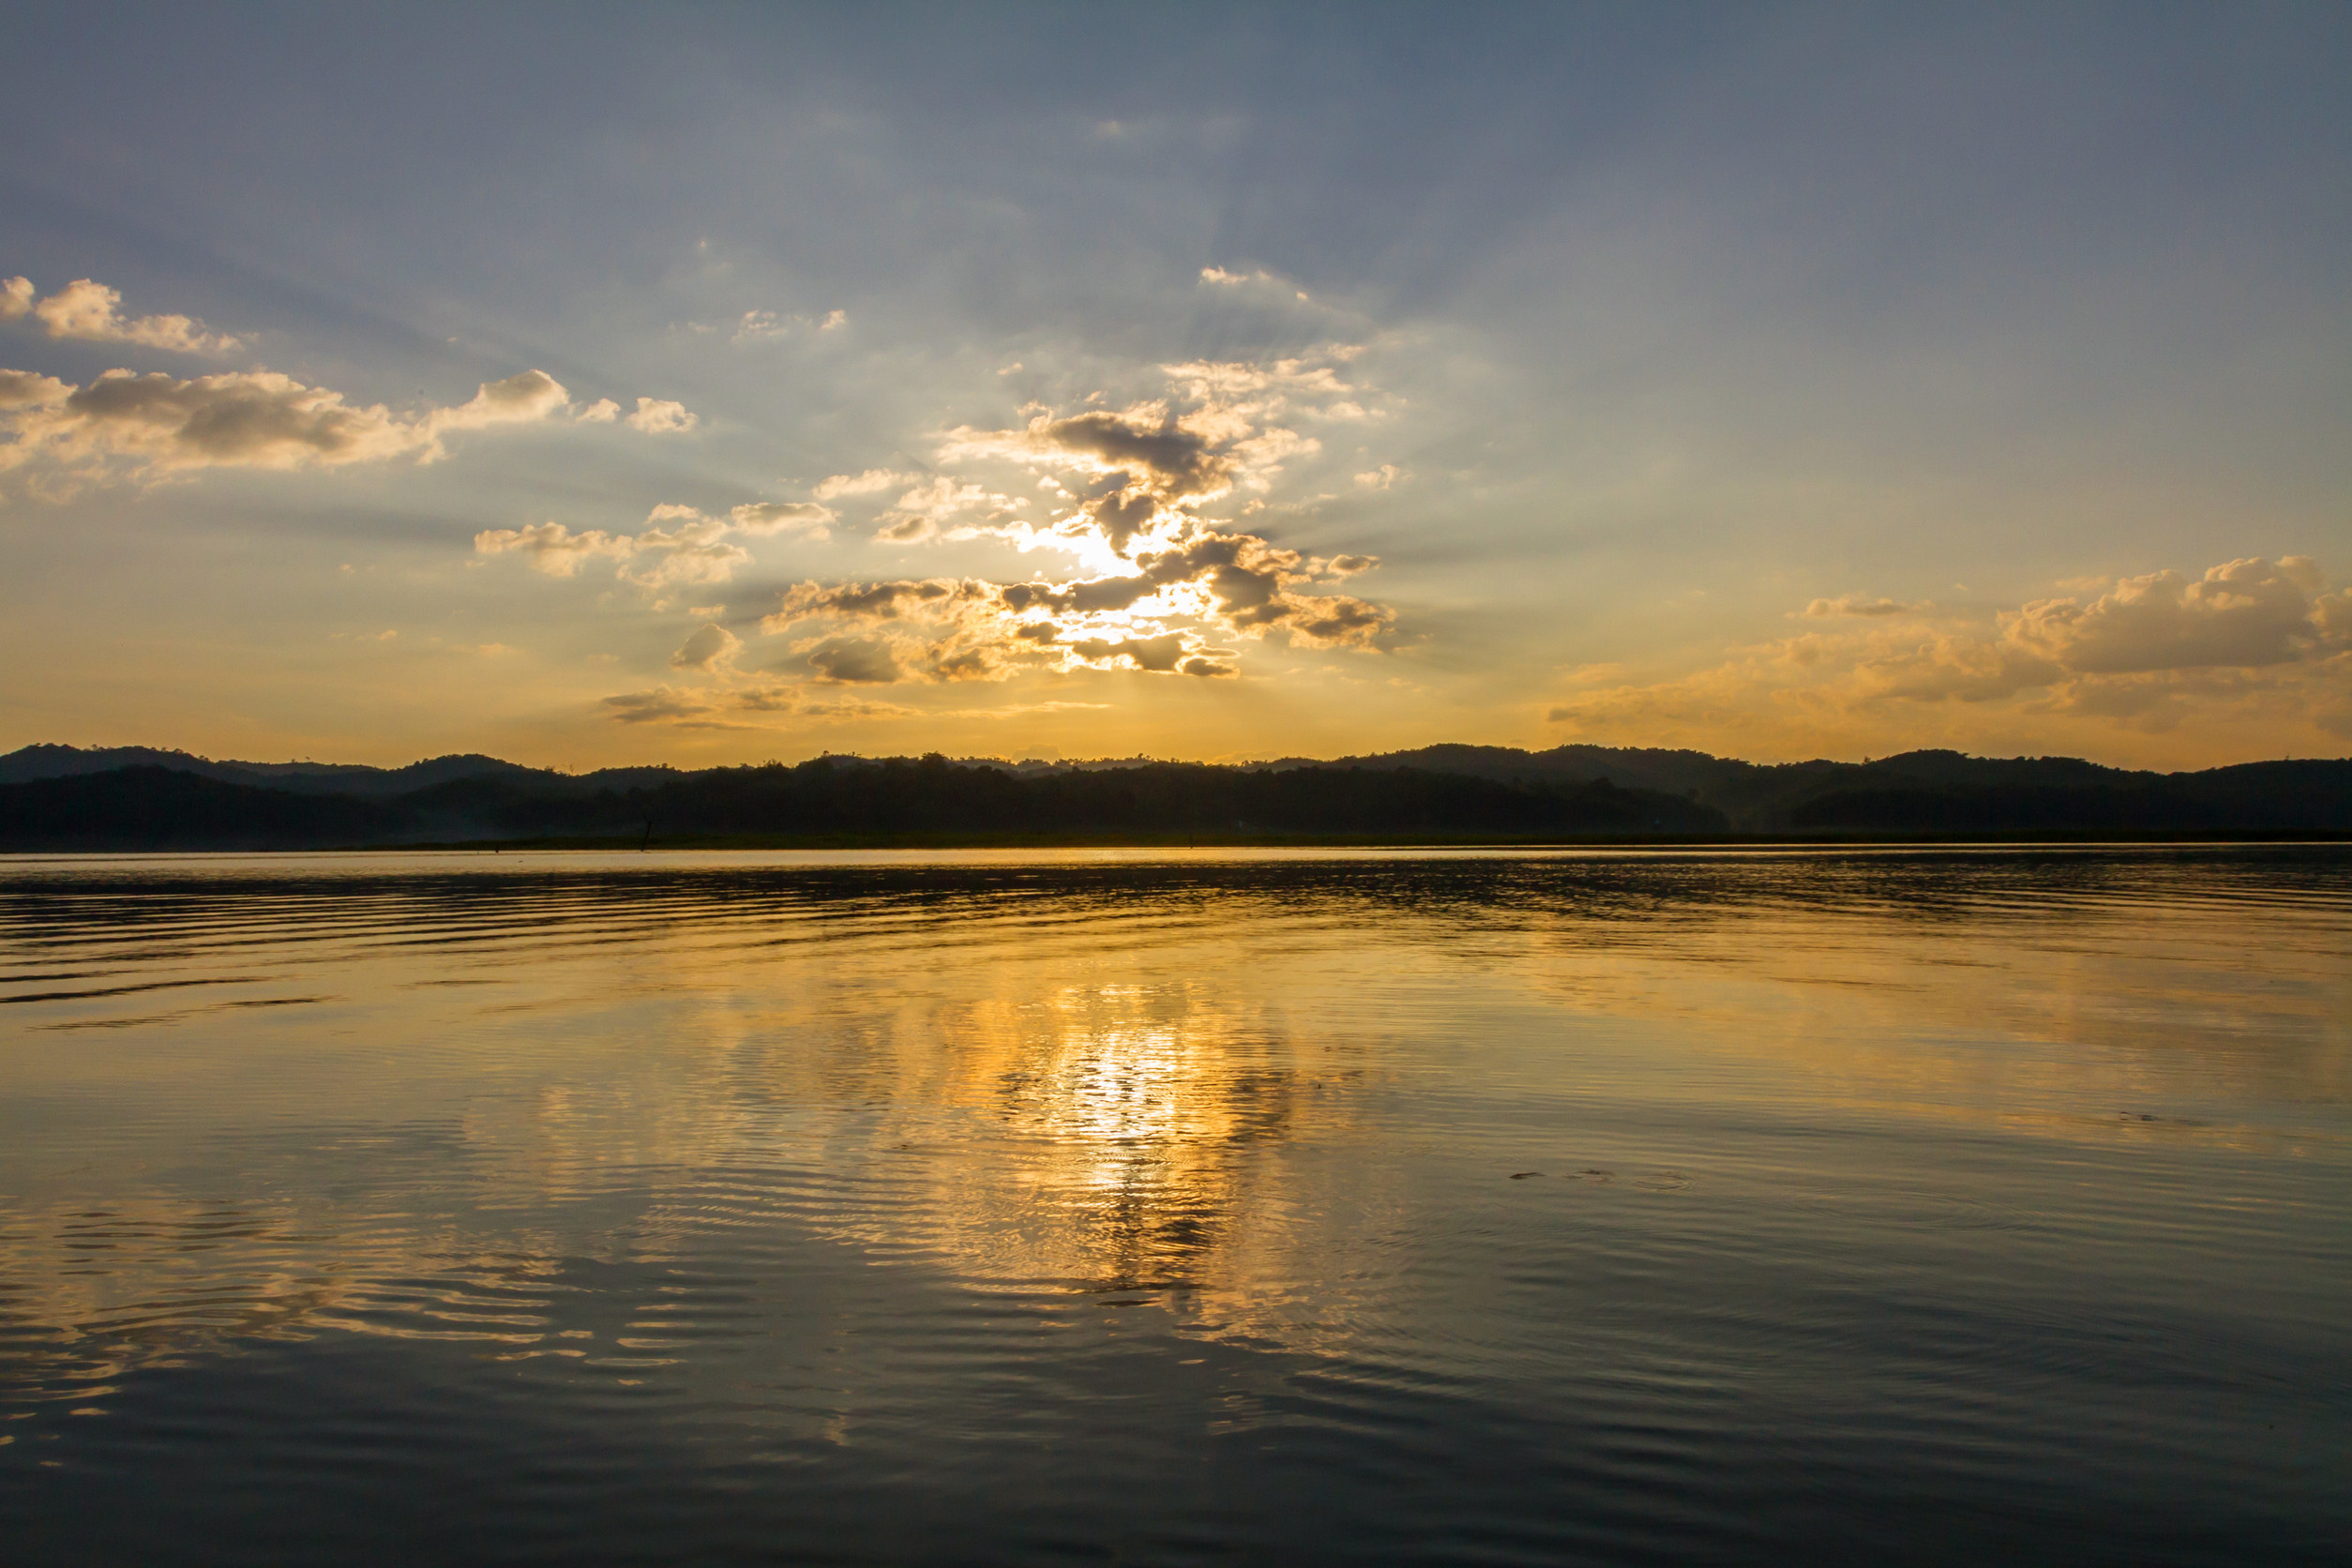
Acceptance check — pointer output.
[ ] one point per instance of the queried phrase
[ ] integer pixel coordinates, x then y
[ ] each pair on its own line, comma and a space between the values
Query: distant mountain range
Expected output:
64, 798
34, 762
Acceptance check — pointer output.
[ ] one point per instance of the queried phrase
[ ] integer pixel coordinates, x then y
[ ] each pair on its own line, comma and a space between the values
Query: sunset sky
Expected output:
590, 385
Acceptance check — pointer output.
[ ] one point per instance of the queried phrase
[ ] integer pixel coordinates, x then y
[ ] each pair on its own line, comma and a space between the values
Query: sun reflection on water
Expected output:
1052, 1088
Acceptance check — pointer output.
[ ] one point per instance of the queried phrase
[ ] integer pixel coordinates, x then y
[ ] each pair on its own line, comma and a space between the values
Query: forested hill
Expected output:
147, 806
1928, 791
53, 798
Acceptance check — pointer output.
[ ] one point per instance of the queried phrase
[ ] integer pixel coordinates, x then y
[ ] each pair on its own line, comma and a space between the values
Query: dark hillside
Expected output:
1939, 792
160, 809
1485, 794
841, 797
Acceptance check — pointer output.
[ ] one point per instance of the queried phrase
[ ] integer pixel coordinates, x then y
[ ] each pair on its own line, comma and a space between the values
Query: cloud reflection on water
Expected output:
1142, 1082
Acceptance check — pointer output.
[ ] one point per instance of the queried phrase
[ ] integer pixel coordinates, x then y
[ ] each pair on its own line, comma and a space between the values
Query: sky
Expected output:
593, 385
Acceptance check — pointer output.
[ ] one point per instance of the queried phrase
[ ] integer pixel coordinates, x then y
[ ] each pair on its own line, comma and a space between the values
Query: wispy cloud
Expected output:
679, 544
767, 327
867, 483
1860, 605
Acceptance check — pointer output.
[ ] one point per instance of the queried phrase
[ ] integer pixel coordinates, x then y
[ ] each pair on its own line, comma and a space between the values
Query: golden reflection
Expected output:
1127, 1115
2070, 1023
1101, 1089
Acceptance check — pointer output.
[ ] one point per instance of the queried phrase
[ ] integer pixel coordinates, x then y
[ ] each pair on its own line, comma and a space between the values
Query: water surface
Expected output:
1235, 1206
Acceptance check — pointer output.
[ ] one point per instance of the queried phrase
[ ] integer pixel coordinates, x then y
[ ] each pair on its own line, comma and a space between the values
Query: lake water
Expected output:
1918, 1206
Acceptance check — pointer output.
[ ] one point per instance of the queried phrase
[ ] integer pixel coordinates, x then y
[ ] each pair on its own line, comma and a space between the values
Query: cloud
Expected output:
678, 545
2242, 615
1132, 488
1383, 477
2249, 638
761, 326
659, 417
760, 703
1121, 514
782, 517
89, 311
654, 416
1860, 605
1144, 473
706, 648
876, 601
1337, 621
147, 425
519, 400
657, 556
973, 629
1149, 442
767, 327
665, 705
696, 551
855, 659
777, 698
1248, 583
1218, 277
873, 479
917, 515
258, 419
1161, 654
1958, 669
24, 389
552, 547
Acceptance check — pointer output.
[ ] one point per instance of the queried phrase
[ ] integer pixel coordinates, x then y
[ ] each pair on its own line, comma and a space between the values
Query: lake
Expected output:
1624, 1207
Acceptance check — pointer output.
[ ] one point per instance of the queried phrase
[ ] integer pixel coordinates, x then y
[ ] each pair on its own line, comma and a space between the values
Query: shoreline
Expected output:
840, 843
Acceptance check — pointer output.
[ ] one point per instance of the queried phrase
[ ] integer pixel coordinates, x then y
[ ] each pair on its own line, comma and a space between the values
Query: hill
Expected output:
57, 798
1929, 792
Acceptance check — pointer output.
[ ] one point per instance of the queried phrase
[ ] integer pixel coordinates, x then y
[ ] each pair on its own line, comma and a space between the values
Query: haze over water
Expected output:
1617, 1207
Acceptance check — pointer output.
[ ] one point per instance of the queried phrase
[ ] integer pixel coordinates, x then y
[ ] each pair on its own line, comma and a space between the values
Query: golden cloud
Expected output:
2249, 648
91, 312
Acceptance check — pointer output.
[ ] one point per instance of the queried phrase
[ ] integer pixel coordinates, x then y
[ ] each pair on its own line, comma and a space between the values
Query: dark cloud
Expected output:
961, 664
872, 601
858, 660
1856, 604
707, 647
1161, 654
24, 389
242, 419
661, 705
1179, 461
1251, 582
1339, 619
1123, 515
1093, 596
265, 420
